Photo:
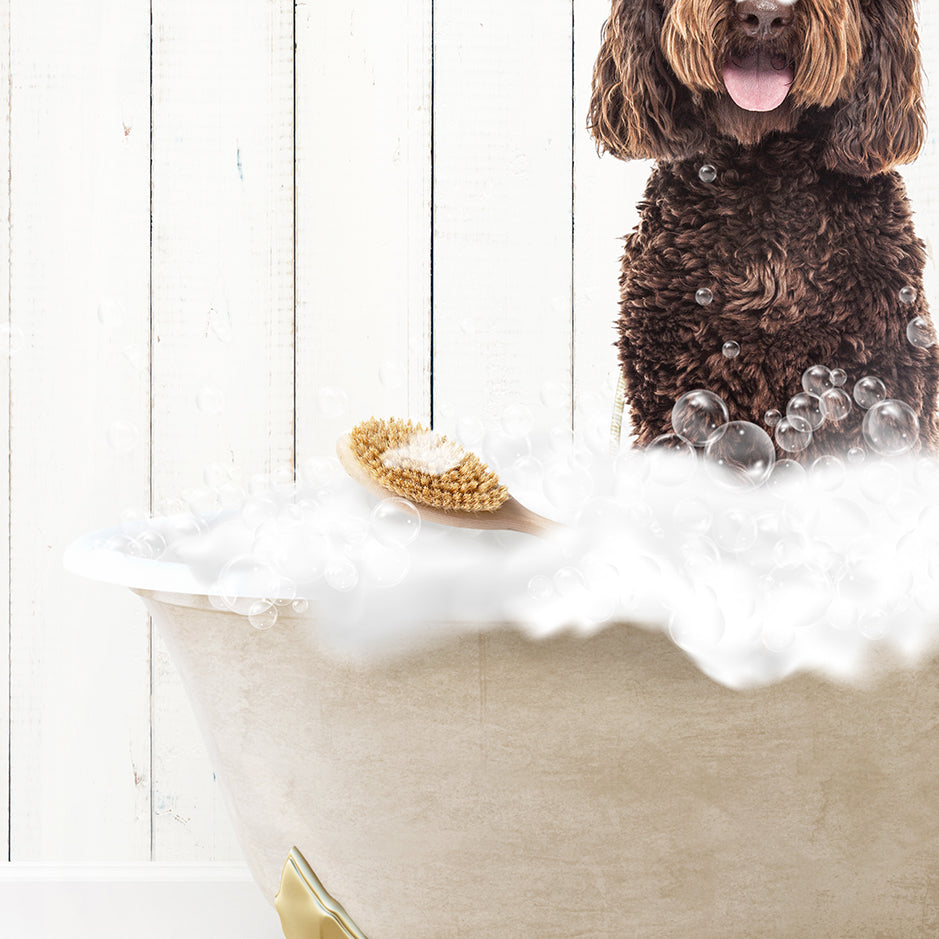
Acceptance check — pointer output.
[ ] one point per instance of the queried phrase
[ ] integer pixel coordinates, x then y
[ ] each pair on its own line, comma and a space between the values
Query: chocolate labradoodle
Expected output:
776, 125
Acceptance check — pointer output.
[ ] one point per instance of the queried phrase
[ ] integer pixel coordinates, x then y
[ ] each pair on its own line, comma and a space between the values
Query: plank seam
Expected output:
150, 462
9, 223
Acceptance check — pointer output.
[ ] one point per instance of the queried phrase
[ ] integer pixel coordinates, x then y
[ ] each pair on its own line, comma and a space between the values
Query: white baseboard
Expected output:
146, 901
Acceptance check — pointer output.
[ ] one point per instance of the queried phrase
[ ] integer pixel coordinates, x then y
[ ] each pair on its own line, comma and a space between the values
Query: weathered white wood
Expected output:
223, 314
79, 248
4, 426
363, 223
502, 209
606, 192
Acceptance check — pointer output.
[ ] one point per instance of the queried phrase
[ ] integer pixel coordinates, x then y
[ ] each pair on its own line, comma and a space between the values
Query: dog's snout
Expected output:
764, 19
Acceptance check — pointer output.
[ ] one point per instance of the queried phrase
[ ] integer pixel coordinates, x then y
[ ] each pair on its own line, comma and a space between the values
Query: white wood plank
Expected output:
606, 193
4, 426
147, 901
223, 311
79, 245
363, 235
502, 212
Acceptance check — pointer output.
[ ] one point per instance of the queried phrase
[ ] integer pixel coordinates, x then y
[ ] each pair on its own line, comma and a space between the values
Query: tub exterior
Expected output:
494, 786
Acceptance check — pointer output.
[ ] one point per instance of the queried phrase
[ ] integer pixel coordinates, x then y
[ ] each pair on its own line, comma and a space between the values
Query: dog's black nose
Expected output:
764, 19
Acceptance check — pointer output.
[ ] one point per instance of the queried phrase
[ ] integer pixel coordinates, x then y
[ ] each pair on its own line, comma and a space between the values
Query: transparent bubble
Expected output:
220, 323
526, 472
110, 313
789, 551
856, 456
699, 415
502, 449
808, 407
210, 399
385, 566
874, 625
567, 485
734, 530
707, 173
838, 377
692, 515
300, 605
786, 473
540, 588
828, 472
262, 614
704, 297
744, 454
908, 295
569, 583
793, 434
341, 574
395, 522
772, 417
730, 349
836, 404
204, 503
816, 379
470, 432
149, 545
332, 402
517, 420
920, 333
318, 472
243, 580
868, 391
123, 436
891, 428
554, 395
392, 375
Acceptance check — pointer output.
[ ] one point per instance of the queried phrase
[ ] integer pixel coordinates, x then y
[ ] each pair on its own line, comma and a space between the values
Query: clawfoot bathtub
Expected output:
493, 785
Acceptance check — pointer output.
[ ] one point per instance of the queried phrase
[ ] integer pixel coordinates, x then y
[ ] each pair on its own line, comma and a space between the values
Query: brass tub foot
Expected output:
306, 910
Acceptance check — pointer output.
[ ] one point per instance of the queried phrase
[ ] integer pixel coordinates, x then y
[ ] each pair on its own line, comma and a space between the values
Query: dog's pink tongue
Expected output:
755, 84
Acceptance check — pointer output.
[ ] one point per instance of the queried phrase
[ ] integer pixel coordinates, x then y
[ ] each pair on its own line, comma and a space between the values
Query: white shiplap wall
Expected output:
192, 205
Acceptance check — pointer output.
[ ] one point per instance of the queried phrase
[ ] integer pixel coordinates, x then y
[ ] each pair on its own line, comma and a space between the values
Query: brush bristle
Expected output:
425, 468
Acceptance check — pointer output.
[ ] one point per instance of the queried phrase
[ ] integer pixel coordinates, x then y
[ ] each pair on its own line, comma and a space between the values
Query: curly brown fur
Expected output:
804, 238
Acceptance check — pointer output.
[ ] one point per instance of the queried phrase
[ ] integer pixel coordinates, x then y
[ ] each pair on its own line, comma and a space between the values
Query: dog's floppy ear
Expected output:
882, 124
639, 109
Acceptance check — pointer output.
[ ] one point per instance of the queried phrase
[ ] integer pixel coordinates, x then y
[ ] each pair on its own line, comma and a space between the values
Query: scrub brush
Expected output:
446, 483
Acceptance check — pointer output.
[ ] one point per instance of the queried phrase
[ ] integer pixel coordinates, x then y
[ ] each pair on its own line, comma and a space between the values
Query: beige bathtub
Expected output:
497, 786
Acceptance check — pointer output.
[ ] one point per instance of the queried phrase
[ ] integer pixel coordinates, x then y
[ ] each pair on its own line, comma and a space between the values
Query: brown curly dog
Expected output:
777, 125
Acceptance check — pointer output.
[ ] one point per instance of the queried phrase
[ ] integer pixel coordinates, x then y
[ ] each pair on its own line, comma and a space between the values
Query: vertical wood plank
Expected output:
363, 223
4, 428
79, 424
502, 211
223, 315
606, 193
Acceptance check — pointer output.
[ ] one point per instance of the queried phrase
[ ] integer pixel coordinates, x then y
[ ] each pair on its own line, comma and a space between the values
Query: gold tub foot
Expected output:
306, 910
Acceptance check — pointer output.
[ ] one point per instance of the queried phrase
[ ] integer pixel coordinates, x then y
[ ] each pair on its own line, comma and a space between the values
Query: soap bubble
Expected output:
838, 377
470, 432
734, 530
869, 390
540, 588
704, 297
262, 614
204, 503
808, 407
123, 436
149, 545
502, 449
836, 404
828, 471
699, 415
786, 473
891, 428
908, 295
744, 454
707, 173
210, 399
517, 420
817, 379
385, 566
856, 456
332, 402
567, 485
730, 349
341, 574
300, 605
920, 333
242, 580
772, 417
793, 434
395, 522
569, 583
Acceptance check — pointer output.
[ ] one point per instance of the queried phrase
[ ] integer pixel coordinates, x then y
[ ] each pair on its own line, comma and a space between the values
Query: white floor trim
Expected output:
146, 901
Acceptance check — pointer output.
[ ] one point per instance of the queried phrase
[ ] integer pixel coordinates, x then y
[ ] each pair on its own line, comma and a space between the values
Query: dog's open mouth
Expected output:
758, 81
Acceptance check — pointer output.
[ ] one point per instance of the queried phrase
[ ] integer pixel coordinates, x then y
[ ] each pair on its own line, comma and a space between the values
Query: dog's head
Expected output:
673, 74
